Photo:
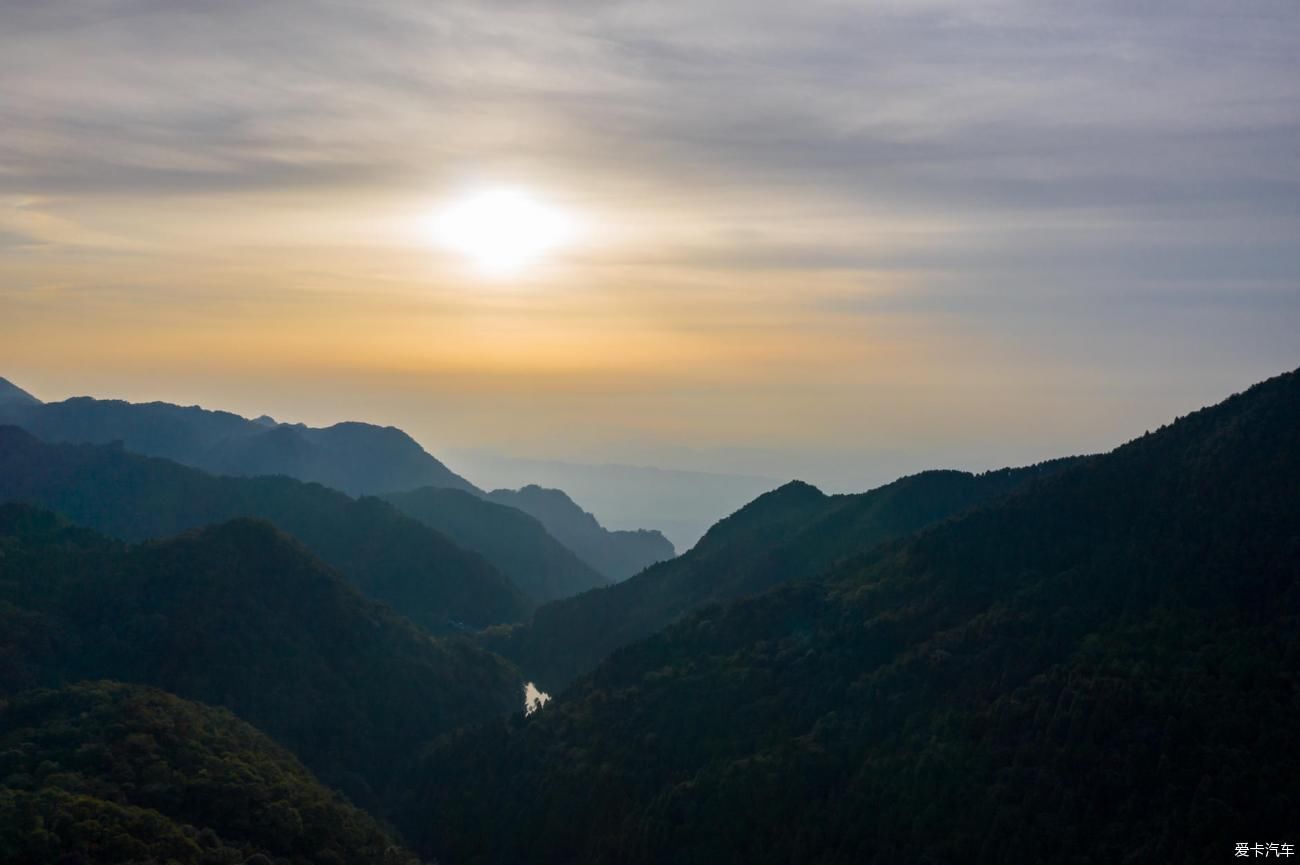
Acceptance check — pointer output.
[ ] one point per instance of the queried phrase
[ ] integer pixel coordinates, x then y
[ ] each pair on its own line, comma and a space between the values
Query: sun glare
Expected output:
501, 231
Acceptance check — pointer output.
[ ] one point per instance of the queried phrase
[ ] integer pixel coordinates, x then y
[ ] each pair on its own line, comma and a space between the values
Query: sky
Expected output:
830, 240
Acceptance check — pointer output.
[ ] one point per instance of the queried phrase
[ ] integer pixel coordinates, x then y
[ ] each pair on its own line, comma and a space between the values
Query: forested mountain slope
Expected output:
105, 772
1103, 667
389, 556
512, 541
792, 532
240, 615
357, 458
615, 554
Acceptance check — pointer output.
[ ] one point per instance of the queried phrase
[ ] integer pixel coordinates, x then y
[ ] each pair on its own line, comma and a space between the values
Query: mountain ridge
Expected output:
351, 456
790, 532
618, 554
1098, 666
389, 556
515, 543
12, 394
242, 616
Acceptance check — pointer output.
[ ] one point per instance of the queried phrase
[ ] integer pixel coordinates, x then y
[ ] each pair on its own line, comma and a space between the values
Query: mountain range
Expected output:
241, 616
356, 458
792, 532
1094, 659
1101, 666
387, 555
682, 504
514, 542
616, 554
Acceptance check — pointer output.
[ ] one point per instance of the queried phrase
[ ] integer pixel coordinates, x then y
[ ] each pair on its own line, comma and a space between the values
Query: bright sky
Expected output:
828, 239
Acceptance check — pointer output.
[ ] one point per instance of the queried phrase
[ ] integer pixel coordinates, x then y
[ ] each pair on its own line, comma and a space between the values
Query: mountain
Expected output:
793, 532
1101, 667
681, 504
514, 543
618, 555
389, 556
242, 616
105, 772
12, 395
356, 458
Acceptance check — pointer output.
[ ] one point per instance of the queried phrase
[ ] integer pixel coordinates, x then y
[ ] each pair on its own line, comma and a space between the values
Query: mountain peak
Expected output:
796, 489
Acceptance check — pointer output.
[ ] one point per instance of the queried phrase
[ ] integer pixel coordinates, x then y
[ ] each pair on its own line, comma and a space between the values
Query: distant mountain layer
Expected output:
12, 395
793, 532
356, 458
387, 555
1100, 667
105, 772
618, 554
681, 504
515, 543
241, 616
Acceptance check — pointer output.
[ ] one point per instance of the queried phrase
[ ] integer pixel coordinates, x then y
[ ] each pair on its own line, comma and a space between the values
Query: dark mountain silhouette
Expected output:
1101, 667
105, 772
12, 395
240, 615
792, 532
616, 554
387, 555
515, 543
356, 458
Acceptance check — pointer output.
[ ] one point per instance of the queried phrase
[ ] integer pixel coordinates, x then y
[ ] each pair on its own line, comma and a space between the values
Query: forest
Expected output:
1089, 659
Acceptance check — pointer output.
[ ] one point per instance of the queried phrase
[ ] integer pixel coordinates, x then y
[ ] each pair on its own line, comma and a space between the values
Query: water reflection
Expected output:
534, 698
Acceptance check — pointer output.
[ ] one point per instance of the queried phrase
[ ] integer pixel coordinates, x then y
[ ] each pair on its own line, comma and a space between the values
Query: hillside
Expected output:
390, 557
12, 395
615, 554
105, 772
792, 532
1099, 668
356, 458
513, 542
241, 616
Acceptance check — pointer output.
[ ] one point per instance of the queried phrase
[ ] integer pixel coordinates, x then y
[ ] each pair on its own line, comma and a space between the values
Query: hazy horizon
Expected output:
831, 469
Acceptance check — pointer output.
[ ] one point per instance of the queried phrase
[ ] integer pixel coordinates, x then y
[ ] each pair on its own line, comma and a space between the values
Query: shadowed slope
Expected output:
1101, 667
239, 615
105, 772
616, 554
389, 556
512, 541
791, 532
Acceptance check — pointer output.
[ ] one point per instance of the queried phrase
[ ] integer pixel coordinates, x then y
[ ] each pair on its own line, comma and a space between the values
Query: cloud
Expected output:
973, 164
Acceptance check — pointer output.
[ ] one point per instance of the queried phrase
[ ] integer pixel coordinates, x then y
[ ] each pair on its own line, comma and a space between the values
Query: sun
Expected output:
502, 232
